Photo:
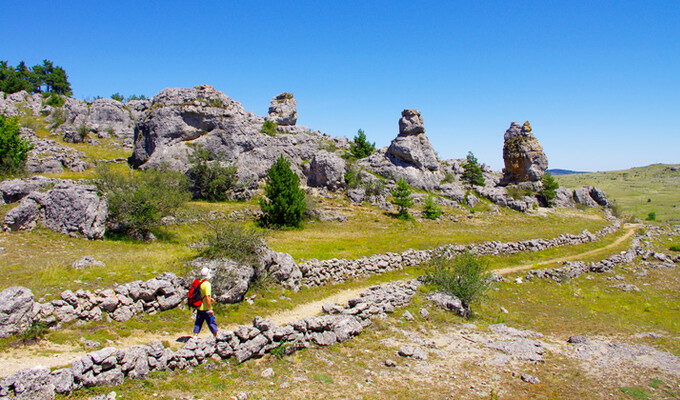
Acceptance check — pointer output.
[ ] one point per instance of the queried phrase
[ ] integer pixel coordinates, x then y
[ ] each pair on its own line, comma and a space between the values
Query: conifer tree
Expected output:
284, 202
402, 199
548, 191
473, 172
360, 146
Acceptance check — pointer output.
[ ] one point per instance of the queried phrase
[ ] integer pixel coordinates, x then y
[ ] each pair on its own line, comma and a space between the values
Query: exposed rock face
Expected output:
48, 156
326, 170
411, 146
283, 110
68, 208
523, 155
104, 117
16, 189
16, 310
204, 116
33, 102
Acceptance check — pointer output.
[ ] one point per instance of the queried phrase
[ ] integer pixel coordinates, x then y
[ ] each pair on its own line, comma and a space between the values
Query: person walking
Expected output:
205, 312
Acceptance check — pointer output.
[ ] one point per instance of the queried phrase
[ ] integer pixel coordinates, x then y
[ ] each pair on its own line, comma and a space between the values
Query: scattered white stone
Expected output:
518, 280
424, 313
530, 379
408, 316
267, 373
390, 363
503, 310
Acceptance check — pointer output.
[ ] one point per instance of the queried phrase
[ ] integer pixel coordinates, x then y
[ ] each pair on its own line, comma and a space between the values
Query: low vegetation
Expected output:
13, 149
212, 178
231, 240
360, 147
401, 197
269, 128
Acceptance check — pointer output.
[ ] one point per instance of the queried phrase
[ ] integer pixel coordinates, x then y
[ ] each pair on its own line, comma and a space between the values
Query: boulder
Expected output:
230, 280
411, 146
582, 196
326, 170
14, 190
73, 208
523, 155
16, 310
283, 110
22, 217
599, 196
563, 198
32, 384
48, 156
281, 267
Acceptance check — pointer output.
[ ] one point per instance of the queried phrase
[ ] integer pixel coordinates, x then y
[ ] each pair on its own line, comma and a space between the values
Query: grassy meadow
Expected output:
637, 191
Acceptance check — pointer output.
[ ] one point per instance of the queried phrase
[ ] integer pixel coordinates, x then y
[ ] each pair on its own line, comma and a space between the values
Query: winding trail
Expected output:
54, 355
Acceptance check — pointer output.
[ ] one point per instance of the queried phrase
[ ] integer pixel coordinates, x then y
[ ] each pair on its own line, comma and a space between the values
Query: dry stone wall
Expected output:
320, 272
111, 366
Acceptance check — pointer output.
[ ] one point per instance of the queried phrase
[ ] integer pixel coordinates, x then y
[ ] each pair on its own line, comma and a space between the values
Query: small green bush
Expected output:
674, 247
56, 100
402, 199
465, 277
35, 332
230, 240
138, 202
518, 193
269, 128
651, 216
209, 179
58, 117
548, 191
360, 147
13, 149
431, 209
448, 178
352, 175
374, 187
82, 132
284, 202
118, 97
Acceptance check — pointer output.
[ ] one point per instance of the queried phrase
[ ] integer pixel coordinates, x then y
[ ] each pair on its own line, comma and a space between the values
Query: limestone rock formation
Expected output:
103, 117
283, 110
411, 146
230, 279
68, 208
326, 170
49, 156
204, 116
16, 189
523, 155
16, 310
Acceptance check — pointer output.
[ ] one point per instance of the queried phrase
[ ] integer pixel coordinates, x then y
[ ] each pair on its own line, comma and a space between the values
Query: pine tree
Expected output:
548, 191
402, 199
360, 146
473, 172
284, 202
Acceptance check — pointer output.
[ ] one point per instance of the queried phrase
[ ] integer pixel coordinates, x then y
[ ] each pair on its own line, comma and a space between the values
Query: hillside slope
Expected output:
637, 191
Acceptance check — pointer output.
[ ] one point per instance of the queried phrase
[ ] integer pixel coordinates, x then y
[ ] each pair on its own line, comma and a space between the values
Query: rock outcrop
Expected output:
103, 117
411, 146
326, 170
283, 110
523, 155
68, 208
49, 156
16, 310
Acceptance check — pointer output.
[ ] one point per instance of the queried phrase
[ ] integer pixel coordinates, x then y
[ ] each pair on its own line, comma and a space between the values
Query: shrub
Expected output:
210, 180
360, 147
284, 202
674, 247
402, 199
231, 240
651, 216
58, 117
472, 174
82, 132
374, 187
548, 191
352, 175
56, 100
518, 193
138, 202
13, 148
269, 128
465, 277
118, 97
432, 210
448, 178
135, 97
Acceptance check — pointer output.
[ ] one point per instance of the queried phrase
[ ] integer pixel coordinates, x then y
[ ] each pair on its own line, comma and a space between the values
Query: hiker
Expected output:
205, 311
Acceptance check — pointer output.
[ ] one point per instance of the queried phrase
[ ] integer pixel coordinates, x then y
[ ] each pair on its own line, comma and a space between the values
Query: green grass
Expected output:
632, 189
370, 231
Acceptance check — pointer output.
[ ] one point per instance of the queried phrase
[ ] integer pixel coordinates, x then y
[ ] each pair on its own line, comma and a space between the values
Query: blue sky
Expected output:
598, 80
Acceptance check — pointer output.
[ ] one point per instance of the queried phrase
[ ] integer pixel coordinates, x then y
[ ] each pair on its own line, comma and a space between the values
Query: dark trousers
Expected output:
204, 316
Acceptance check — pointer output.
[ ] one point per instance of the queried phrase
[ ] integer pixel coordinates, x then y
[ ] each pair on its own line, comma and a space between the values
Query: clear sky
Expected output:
599, 80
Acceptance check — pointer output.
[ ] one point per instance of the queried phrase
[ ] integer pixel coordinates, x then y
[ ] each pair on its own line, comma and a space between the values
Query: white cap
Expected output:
206, 273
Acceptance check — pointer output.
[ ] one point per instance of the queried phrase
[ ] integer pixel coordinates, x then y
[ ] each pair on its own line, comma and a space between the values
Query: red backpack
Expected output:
194, 295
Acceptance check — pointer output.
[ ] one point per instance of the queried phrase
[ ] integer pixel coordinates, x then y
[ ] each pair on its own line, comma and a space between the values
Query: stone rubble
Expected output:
49, 156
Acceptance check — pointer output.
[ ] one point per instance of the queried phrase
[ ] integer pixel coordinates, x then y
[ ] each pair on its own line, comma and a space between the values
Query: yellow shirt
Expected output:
206, 290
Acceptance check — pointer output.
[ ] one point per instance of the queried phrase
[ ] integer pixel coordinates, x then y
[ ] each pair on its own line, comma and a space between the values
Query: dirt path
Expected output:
55, 355
626, 236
